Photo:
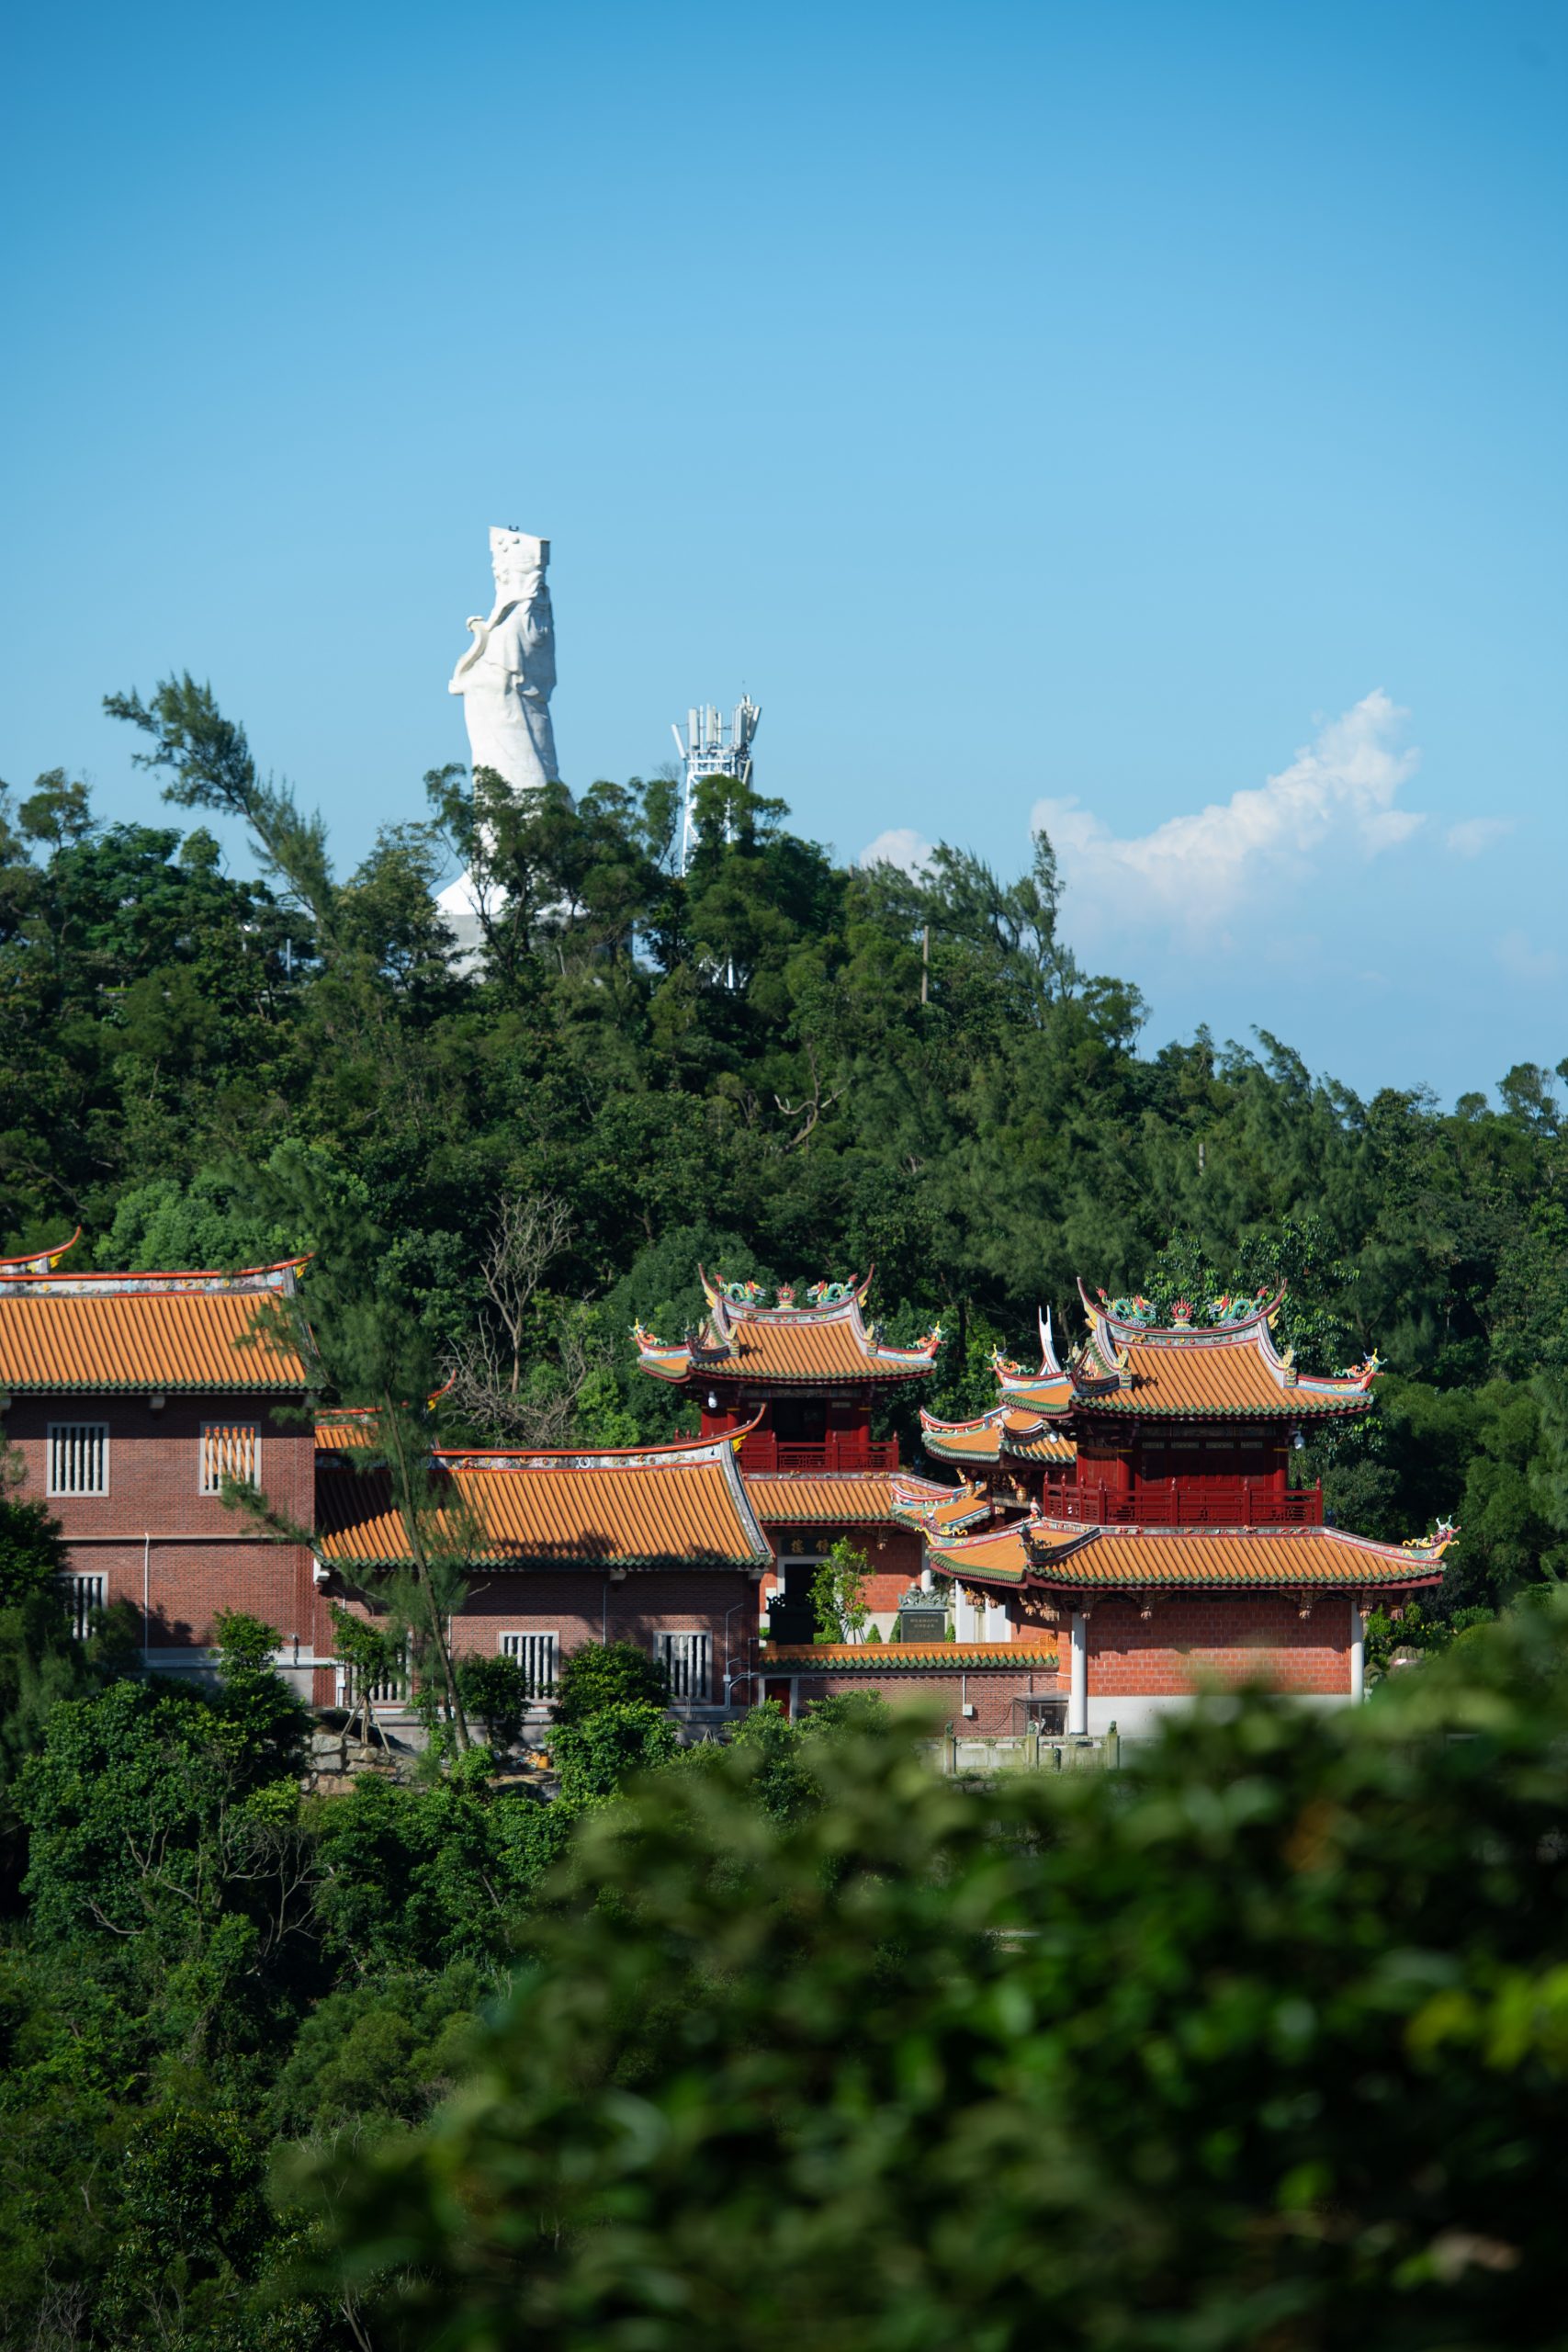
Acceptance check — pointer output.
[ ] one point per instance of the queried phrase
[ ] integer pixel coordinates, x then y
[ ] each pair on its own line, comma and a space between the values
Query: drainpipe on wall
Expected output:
1357, 1655
1078, 1690
146, 1598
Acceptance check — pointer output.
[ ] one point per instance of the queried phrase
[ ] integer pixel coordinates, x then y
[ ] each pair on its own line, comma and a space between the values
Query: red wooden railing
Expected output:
1190, 1502
840, 1450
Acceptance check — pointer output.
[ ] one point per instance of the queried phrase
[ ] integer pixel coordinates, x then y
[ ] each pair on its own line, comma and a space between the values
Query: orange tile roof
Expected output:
1006, 1428
1211, 1375
93, 1334
896, 1657
979, 1441
675, 1506
1039, 1552
1223, 1370
823, 1344
945, 1512
817, 1498
1035, 1439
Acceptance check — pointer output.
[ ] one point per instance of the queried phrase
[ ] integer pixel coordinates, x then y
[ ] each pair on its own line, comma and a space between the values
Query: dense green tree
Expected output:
768, 1062
607, 1674
1263, 2043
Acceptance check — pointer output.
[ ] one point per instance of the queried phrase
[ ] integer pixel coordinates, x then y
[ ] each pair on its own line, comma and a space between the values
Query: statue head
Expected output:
518, 558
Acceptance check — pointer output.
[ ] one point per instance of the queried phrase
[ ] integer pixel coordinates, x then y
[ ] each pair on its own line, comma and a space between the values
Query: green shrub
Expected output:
608, 1673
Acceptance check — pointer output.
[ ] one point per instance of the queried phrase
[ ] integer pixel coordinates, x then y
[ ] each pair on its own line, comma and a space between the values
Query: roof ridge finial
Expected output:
40, 1261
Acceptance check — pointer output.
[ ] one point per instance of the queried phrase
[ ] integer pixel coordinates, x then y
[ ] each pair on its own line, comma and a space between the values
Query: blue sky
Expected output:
1098, 411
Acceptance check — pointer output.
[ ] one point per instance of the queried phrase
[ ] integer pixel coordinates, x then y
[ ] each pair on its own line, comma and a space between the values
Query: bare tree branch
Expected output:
529, 1234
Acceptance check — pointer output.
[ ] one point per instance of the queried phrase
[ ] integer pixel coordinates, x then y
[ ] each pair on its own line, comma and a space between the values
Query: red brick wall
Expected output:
201, 1557
942, 1696
580, 1606
583, 1606
1253, 1635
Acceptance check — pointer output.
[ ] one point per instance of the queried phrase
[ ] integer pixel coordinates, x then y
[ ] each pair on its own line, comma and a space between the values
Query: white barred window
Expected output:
78, 1457
535, 1654
687, 1658
84, 1597
230, 1449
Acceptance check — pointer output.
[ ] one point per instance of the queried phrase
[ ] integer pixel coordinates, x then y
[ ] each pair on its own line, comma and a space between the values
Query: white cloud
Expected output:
1337, 794
1473, 834
901, 847
1523, 961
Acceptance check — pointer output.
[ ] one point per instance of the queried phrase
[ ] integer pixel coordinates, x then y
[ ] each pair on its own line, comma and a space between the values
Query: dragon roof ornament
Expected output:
822, 1340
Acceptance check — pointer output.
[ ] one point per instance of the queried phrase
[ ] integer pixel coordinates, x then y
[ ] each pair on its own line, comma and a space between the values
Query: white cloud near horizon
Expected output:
1523, 961
1337, 794
1474, 835
901, 846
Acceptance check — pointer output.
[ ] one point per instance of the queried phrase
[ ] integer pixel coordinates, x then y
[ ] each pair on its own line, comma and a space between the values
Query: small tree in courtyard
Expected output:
837, 1593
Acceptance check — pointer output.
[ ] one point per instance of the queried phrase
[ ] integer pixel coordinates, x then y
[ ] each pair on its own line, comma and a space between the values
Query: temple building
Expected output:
130, 1398
658, 1546
1142, 1516
1117, 1529
797, 1383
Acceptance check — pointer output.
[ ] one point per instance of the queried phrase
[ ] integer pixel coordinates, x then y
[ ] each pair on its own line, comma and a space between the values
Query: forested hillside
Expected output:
230, 2013
778, 1065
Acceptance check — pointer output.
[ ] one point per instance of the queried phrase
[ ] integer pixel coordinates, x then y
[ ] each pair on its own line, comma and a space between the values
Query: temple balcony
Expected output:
1188, 1502
840, 1450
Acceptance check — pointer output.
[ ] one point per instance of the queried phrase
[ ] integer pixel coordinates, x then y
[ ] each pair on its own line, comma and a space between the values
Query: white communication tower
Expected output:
712, 745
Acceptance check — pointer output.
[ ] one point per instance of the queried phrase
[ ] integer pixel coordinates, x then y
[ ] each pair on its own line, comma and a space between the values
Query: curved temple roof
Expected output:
1010, 1429
1227, 1369
93, 1334
669, 1507
821, 1343
1053, 1554
947, 1512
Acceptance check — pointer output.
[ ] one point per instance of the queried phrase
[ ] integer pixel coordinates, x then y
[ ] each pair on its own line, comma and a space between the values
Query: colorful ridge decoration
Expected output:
823, 1343
947, 1512
1228, 1370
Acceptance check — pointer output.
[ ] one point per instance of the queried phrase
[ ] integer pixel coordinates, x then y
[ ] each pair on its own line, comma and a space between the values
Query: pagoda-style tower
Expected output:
1186, 1425
798, 1381
1161, 1531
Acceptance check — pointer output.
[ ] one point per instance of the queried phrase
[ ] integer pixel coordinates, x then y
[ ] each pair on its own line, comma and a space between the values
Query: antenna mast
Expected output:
712, 745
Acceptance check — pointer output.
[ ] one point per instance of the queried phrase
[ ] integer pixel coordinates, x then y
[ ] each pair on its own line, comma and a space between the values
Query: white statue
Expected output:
508, 674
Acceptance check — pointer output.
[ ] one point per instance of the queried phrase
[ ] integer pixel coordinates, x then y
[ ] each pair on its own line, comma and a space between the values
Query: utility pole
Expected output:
925, 962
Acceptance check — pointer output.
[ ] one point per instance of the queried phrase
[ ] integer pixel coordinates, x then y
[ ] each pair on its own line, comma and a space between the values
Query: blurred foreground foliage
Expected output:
1263, 2041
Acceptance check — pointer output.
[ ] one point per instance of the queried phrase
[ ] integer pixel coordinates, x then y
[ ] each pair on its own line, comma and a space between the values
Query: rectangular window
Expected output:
685, 1658
535, 1654
78, 1457
84, 1597
230, 1449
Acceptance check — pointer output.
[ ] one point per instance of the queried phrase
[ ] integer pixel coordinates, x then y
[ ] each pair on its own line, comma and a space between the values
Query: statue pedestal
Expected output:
461, 915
